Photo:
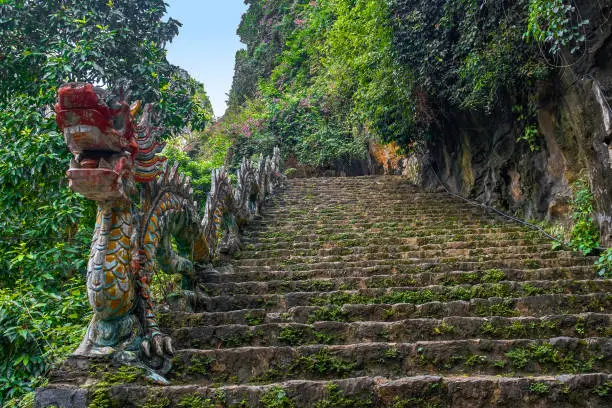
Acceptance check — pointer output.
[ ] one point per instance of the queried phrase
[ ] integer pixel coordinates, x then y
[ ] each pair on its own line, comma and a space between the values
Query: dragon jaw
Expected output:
102, 141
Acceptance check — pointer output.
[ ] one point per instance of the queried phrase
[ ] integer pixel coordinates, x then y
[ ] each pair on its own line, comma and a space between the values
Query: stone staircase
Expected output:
368, 292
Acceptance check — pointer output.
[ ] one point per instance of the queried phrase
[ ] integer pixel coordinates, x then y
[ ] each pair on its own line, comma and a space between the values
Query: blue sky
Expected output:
207, 43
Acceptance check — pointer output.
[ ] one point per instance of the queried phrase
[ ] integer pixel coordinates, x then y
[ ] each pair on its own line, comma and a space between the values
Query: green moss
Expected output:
100, 391
505, 308
391, 353
335, 398
519, 357
200, 365
156, 401
531, 263
323, 338
493, 276
443, 329
332, 313
322, 363
539, 388
196, 401
547, 355
531, 290
474, 360
604, 390
276, 397
253, 319
237, 339
292, 335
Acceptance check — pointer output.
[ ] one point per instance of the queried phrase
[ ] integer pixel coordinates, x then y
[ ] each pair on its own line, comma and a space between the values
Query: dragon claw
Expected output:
157, 344
146, 348
168, 346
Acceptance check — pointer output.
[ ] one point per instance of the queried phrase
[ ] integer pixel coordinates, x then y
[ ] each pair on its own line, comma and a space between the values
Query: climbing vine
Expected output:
556, 23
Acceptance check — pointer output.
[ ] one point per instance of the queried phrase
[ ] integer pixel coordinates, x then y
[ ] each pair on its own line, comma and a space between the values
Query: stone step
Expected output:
405, 251
411, 294
405, 264
403, 331
389, 280
371, 236
563, 391
374, 253
370, 292
391, 217
531, 306
302, 263
440, 273
423, 231
409, 243
394, 360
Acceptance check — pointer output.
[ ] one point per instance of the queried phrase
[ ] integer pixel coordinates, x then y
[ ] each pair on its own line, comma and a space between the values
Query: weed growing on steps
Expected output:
155, 401
320, 364
253, 319
292, 335
276, 397
336, 399
328, 313
584, 234
196, 401
443, 329
604, 390
465, 292
122, 375
539, 388
547, 355
493, 276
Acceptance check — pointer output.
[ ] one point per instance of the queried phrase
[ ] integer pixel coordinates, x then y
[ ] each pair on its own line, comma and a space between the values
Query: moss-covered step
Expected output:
567, 391
433, 273
402, 331
411, 294
393, 360
530, 306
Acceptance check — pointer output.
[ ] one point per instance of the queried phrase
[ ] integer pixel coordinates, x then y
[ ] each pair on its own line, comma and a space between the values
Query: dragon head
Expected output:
110, 152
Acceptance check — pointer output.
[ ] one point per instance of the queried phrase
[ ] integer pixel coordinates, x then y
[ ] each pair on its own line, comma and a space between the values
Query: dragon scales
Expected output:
142, 204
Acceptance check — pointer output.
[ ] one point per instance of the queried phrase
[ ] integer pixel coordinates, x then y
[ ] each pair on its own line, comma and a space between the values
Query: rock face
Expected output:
480, 157
371, 292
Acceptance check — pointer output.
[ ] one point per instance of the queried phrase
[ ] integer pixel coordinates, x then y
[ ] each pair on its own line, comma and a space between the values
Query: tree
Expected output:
45, 227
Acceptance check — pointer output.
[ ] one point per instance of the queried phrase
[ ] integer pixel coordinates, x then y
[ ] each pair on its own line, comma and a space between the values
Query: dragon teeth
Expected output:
103, 164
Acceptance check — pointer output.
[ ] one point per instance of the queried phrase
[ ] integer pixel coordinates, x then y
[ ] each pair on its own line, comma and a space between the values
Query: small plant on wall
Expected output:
584, 235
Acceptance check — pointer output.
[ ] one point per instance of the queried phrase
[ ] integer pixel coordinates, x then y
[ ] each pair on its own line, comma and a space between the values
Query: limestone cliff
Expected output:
478, 155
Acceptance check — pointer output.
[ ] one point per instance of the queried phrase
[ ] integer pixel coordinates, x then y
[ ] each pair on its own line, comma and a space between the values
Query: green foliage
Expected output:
584, 234
526, 116
198, 154
323, 78
604, 264
539, 388
276, 397
604, 389
45, 228
493, 276
336, 399
467, 54
556, 23
264, 29
196, 401
40, 323
291, 335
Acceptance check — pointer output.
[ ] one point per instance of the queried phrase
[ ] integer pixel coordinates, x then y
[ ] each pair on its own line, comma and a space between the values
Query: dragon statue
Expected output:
142, 204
